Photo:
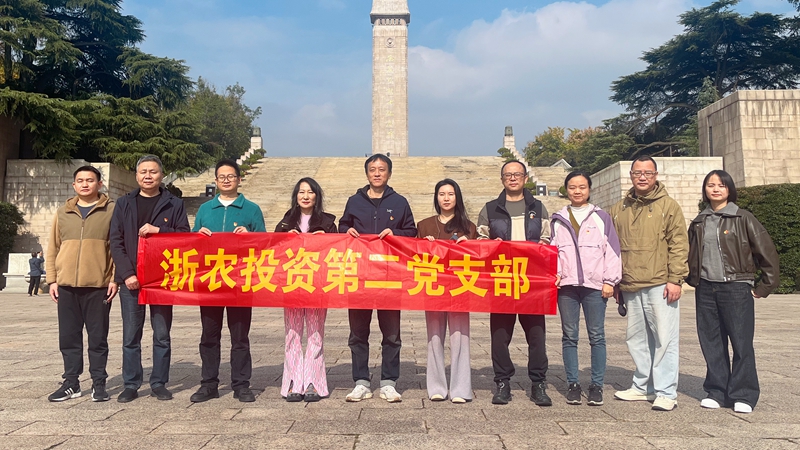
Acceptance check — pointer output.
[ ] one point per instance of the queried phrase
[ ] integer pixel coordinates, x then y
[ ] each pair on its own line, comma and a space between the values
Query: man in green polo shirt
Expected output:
229, 212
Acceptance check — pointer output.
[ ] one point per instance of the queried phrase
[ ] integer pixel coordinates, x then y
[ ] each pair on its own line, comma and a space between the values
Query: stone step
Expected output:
270, 183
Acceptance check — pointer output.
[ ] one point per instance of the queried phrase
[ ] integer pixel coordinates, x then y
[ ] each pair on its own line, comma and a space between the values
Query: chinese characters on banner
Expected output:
338, 271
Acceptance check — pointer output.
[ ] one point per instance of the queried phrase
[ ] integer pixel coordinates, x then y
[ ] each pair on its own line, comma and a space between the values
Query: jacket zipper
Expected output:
224, 216
80, 244
719, 247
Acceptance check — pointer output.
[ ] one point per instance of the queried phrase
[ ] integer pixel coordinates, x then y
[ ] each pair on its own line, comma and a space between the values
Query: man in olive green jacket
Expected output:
81, 277
655, 247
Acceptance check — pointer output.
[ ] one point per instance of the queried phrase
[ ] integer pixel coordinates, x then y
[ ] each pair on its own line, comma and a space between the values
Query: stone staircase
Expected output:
271, 182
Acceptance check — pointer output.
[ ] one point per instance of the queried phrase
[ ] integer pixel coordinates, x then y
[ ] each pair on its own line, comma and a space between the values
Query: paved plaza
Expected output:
31, 367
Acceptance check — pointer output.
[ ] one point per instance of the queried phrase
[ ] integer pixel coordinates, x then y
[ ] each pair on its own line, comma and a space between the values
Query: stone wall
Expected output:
39, 187
682, 177
757, 135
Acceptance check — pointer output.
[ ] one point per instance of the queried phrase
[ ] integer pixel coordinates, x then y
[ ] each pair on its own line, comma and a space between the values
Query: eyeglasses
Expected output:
509, 176
638, 173
230, 177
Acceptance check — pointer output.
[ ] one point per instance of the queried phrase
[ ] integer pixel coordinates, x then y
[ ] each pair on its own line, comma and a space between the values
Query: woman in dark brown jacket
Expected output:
726, 247
450, 222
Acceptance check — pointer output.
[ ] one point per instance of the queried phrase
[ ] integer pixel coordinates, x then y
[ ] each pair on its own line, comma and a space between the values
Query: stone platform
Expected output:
31, 366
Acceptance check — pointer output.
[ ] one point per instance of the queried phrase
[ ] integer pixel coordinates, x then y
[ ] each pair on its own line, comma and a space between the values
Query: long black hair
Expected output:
727, 180
460, 221
316, 212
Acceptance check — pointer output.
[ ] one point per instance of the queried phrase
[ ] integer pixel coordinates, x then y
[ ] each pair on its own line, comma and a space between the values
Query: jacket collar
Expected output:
71, 204
387, 191
730, 210
239, 202
528, 197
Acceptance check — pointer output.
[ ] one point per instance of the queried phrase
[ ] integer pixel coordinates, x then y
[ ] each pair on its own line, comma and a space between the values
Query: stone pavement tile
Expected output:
665, 428
521, 425
533, 440
754, 430
10, 426
555, 413
358, 427
182, 414
297, 411
764, 415
465, 412
128, 441
720, 443
56, 414
433, 442
77, 428
31, 442
686, 412
268, 441
277, 425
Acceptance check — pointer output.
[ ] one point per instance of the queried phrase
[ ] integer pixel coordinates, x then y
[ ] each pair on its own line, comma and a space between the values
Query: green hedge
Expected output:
10, 220
777, 207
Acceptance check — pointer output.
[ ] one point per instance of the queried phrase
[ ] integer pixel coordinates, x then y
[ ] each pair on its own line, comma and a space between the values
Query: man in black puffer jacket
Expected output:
376, 209
516, 216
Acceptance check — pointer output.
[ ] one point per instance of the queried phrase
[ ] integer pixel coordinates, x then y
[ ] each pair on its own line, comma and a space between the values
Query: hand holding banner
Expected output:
338, 271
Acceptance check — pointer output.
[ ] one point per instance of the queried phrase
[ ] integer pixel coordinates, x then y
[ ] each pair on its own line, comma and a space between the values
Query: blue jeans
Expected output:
725, 313
652, 337
132, 328
570, 300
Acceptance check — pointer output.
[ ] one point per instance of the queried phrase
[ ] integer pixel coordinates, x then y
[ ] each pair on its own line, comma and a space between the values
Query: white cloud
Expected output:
531, 69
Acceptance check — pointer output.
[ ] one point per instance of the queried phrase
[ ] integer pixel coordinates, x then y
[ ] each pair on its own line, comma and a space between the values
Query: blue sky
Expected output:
475, 66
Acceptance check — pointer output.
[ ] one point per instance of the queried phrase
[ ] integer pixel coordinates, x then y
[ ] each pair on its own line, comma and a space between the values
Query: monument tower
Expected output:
390, 19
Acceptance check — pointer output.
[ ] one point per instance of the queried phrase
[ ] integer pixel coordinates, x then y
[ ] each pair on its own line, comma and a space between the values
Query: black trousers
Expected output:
726, 315
389, 323
79, 307
502, 329
33, 286
239, 320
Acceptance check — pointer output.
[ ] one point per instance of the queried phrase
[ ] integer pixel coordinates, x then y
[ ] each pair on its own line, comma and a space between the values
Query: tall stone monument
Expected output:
390, 19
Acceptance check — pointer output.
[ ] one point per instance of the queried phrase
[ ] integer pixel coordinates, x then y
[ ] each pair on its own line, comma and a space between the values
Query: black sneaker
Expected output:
204, 394
65, 392
99, 393
574, 394
161, 393
311, 394
128, 395
539, 395
244, 395
595, 397
503, 395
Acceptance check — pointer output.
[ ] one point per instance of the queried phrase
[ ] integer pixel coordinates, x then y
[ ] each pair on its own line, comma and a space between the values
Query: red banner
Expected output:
338, 271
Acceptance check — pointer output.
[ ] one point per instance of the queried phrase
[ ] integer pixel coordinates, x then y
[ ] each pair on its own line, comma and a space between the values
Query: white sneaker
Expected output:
664, 404
632, 395
743, 408
360, 392
389, 394
709, 403
437, 397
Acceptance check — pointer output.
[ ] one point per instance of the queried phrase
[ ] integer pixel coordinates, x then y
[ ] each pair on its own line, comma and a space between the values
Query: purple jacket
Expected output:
591, 259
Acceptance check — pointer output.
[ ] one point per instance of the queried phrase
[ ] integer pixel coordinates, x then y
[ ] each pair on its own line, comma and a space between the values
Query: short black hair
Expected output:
644, 159
230, 163
726, 179
92, 169
514, 161
578, 173
377, 157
